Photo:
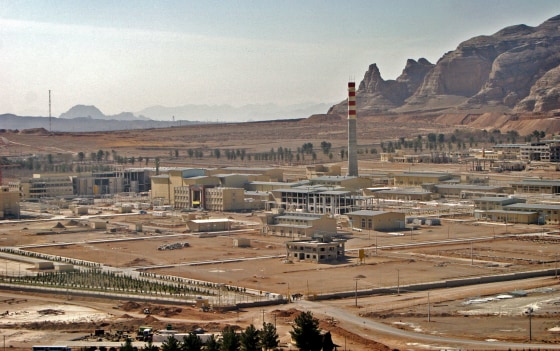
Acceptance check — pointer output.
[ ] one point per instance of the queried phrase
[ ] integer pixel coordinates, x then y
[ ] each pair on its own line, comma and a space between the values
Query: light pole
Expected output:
398, 282
428, 306
529, 312
356, 293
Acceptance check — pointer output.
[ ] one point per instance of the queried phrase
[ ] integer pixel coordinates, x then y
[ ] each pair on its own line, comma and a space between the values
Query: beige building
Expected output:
537, 186
320, 249
376, 220
419, 178
549, 214
520, 217
43, 186
9, 203
346, 182
180, 182
297, 224
208, 225
264, 174
224, 199
494, 203
315, 171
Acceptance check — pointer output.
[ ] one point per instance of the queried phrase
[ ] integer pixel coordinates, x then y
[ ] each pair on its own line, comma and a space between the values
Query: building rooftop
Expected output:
366, 213
425, 174
469, 186
497, 199
538, 182
534, 206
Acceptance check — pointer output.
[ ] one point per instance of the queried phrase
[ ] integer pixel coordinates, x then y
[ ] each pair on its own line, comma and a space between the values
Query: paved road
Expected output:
435, 341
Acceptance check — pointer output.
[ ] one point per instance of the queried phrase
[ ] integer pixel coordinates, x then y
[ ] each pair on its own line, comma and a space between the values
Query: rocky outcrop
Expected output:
513, 70
376, 95
544, 95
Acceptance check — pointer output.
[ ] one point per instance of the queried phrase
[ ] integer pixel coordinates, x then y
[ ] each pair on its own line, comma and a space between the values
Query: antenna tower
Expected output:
50, 128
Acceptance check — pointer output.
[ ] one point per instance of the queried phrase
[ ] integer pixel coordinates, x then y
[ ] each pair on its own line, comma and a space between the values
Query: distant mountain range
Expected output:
510, 75
227, 113
83, 118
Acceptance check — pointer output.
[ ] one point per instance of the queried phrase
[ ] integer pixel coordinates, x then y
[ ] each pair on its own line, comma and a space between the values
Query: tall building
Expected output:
352, 152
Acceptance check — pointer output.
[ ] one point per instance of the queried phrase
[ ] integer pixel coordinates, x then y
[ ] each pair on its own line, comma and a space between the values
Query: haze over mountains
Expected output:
514, 71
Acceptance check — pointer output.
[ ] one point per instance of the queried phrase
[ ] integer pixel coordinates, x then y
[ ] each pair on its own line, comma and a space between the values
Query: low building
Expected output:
320, 249
549, 214
518, 217
98, 224
467, 191
495, 203
537, 186
41, 186
208, 225
418, 178
9, 203
297, 224
376, 220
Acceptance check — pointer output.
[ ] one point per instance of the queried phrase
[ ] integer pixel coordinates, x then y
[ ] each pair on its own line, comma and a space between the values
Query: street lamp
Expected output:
529, 311
398, 282
356, 293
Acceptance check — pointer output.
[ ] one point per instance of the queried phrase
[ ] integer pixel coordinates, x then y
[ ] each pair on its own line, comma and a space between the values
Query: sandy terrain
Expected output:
482, 249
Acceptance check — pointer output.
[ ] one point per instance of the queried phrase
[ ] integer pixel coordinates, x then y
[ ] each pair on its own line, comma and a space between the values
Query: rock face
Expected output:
514, 70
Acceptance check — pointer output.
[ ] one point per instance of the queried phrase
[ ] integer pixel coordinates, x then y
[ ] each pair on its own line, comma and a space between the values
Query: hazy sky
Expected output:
128, 55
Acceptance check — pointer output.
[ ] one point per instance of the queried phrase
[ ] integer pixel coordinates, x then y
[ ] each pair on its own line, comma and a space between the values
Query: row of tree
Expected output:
305, 333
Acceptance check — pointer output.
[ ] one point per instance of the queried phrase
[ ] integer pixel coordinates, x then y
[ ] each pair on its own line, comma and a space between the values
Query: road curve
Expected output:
436, 341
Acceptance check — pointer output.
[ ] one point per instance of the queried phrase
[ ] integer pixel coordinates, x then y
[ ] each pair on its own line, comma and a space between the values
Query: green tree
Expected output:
81, 156
326, 147
212, 344
157, 165
269, 336
149, 347
328, 344
127, 345
305, 332
170, 344
217, 153
249, 339
176, 153
100, 154
191, 342
230, 340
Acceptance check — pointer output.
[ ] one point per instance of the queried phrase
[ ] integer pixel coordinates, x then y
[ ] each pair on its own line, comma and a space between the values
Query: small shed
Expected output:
241, 242
208, 225
64, 267
44, 265
98, 224
80, 210
135, 227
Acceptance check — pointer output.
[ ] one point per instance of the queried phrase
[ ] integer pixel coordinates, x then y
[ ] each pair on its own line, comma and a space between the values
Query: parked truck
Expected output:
145, 333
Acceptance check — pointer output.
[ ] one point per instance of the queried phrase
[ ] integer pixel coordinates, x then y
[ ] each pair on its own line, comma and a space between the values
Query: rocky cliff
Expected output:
516, 70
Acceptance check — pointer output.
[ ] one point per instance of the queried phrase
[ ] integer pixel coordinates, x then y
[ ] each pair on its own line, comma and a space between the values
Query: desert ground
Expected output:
393, 262
459, 248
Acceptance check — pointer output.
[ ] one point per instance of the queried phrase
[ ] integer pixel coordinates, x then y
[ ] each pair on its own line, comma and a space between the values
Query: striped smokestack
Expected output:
352, 152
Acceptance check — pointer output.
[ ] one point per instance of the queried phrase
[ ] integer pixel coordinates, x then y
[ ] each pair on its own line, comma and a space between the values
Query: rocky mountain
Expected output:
516, 70
83, 111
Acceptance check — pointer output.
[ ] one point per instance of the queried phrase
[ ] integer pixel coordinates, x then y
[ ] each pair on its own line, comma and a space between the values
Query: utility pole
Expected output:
428, 306
398, 283
356, 293
50, 128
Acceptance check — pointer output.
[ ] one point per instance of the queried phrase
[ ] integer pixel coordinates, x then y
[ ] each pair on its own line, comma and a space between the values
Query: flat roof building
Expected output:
316, 250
